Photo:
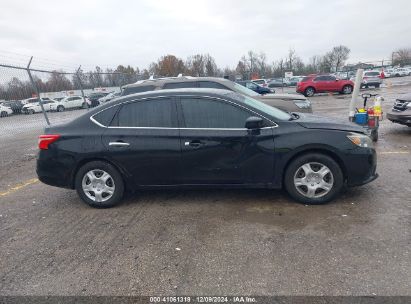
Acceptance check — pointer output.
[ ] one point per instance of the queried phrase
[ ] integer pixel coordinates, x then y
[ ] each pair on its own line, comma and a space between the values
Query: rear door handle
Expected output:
118, 143
194, 144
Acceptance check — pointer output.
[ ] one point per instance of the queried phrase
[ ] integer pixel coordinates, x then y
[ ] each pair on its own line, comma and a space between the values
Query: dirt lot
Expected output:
214, 242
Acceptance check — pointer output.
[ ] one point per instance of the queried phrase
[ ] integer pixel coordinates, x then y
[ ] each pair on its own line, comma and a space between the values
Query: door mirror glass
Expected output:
254, 122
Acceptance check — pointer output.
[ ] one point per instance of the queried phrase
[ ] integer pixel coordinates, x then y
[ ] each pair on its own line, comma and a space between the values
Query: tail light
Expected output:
46, 140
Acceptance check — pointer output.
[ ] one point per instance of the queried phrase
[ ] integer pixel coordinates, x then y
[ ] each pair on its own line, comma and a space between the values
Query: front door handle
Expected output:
118, 143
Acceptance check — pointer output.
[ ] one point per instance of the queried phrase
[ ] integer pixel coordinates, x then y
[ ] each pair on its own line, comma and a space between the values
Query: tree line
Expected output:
250, 65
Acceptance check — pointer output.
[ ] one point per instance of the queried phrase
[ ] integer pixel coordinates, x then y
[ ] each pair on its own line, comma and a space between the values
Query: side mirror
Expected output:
254, 123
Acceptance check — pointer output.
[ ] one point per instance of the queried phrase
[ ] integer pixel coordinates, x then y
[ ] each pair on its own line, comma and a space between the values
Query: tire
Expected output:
4, 114
60, 108
374, 135
377, 85
309, 92
31, 111
114, 182
295, 173
347, 89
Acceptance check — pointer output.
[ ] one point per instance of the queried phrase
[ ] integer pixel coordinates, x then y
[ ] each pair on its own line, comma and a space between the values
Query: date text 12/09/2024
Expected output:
203, 299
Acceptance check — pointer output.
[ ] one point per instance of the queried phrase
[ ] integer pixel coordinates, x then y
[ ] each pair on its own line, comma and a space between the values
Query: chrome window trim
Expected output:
166, 128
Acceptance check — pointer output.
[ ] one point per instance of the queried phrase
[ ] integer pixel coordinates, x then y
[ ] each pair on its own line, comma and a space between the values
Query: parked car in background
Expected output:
261, 82
33, 105
285, 102
203, 138
95, 96
109, 97
370, 78
70, 102
408, 70
313, 84
277, 83
399, 72
255, 87
401, 111
5, 110
292, 81
15, 105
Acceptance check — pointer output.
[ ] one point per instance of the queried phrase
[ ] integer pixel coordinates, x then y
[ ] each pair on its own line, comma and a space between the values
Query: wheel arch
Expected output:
84, 161
319, 150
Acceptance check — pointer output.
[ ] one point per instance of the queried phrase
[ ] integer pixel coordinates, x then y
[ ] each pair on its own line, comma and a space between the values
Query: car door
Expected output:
144, 139
218, 149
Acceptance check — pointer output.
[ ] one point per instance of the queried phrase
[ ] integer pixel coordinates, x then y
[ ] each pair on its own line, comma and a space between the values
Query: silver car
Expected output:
285, 102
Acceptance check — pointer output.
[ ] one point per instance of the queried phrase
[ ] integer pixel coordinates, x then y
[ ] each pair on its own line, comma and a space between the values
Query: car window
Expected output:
251, 86
243, 90
180, 85
319, 78
212, 85
106, 116
152, 113
212, 113
133, 90
330, 78
372, 74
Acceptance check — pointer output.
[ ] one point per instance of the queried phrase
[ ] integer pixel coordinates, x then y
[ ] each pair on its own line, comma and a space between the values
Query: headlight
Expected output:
302, 104
360, 140
408, 105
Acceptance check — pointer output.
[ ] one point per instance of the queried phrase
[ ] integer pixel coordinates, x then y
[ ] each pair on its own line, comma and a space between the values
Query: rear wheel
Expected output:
99, 184
347, 89
31, 111
4, 114
309, 92
313, 179
60, 109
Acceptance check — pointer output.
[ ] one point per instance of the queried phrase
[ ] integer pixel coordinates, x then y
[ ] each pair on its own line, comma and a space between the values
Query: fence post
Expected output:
81, 86
37, 91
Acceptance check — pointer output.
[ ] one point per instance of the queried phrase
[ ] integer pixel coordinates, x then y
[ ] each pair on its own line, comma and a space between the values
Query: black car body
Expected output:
401, 111
256, 87
15, 105
200, 137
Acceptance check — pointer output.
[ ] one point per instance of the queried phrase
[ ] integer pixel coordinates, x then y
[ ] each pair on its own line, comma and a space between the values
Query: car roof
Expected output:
160, 81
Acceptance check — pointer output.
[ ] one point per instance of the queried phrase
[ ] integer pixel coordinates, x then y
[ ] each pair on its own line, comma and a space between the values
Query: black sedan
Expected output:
255, 87
202, 138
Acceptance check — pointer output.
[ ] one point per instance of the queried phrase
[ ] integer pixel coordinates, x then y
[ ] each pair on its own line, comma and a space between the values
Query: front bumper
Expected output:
400, 117
361, 166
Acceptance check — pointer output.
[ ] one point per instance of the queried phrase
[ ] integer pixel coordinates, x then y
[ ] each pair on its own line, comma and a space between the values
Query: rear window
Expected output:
140, 89
106, 116
372, 73
212, 85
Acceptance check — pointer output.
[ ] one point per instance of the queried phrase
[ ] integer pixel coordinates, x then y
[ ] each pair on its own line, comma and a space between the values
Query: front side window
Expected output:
152, 113
213, 114
251, 86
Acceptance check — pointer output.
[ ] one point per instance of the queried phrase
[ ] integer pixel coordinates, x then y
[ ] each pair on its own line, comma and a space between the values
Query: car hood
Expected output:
281, 96
30, 105
311, 121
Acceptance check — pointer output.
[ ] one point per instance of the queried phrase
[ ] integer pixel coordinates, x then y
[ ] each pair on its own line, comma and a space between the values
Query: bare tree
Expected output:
401, 56
336, 57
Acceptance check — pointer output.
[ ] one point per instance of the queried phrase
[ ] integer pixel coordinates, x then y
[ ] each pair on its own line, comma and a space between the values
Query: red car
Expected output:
324, 83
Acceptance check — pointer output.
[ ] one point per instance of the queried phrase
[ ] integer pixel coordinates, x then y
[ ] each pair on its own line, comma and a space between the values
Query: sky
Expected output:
137, 32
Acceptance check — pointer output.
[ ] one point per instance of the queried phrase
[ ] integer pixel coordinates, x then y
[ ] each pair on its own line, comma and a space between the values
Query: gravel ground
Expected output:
214, 242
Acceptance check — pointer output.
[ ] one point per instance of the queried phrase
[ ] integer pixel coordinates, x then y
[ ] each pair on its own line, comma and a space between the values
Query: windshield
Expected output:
258, 105
243, 90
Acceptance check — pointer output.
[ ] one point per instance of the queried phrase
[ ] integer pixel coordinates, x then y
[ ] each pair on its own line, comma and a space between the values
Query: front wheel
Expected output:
99, 184
60, 109
309, 92
313, 179
347, 89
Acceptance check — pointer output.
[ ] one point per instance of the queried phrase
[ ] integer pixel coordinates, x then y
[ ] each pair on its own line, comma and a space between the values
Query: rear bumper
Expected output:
400, 117
55, 171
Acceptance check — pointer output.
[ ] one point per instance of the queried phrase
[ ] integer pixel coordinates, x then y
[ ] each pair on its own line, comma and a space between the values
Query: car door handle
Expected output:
194, 144
118, 143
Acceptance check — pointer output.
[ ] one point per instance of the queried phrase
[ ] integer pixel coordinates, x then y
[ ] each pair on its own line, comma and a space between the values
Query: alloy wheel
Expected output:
313, 180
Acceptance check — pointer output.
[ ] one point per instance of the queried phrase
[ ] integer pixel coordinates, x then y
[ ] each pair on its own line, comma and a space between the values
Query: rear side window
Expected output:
212, 85
211, 113
106, 116
180, 85
153, 113
140, 89
305, 79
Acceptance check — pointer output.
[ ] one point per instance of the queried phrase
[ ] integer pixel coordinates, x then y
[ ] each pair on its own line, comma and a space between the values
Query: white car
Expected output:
70, 102
261, 82
5, 111
398, 72
32, 105
109, 97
